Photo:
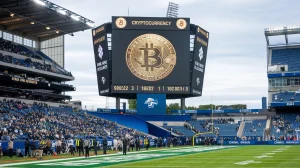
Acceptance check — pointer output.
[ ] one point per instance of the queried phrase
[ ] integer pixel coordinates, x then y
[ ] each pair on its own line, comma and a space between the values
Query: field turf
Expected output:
196, 157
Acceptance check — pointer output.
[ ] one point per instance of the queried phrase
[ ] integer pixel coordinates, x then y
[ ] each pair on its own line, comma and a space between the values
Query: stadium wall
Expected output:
157, 131
130, 121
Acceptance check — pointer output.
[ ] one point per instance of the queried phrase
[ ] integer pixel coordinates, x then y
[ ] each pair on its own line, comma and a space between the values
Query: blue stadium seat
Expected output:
288, 57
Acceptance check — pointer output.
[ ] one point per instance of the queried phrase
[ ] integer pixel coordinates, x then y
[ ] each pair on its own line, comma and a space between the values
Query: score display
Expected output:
145, 55
152, 55
150, 89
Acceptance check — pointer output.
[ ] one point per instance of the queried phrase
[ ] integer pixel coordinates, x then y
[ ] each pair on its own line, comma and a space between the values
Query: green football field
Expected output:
196, 157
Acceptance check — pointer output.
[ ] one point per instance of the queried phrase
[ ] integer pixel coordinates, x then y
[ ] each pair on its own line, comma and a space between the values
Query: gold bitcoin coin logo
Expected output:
121, 22
151, 57
181, 24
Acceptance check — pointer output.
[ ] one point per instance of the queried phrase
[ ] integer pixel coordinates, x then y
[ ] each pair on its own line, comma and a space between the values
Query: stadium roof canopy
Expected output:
283, 36
40, 19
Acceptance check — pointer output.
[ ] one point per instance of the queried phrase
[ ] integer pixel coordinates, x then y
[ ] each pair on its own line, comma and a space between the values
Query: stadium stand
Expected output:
30, 85
284, 125
286, 96
255, 128
19, 121
43, 63
288, 57
180, 130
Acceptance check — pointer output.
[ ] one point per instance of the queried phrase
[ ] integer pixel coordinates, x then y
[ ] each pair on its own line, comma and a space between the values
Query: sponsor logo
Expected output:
191, 111
292, 142
234, 142
218, 111
121, 22
278, 142
198, 81
199, 30
246, 142
100, 51
200, 53
151, 102
181, 24
196, 92
103, 80
104, 91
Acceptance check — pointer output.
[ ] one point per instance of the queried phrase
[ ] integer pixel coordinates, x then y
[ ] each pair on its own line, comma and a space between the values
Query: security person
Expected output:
146, 142
125, 142
43, 143
104, 145
94, 142
77, 145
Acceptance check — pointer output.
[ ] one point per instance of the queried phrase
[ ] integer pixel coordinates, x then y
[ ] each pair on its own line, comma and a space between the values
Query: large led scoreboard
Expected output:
150, 55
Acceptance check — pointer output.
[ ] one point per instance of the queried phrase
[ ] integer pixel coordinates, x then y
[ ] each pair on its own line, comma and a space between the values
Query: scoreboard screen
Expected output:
199, 60
150, 55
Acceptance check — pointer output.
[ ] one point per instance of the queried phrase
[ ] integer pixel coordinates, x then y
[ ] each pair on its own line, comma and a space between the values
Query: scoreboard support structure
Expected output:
182, 103
118, 102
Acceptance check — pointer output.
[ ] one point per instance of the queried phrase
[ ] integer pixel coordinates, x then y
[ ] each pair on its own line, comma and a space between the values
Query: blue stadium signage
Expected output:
285, 104
217, 111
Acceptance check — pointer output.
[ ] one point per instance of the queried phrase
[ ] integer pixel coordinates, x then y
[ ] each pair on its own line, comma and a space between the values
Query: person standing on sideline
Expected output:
146, 143
77, 146
27, 145
95, 146
0, 148
131, 144
125, 142
137, 144
81, 147
58, 146
104, 145
86, 144
10, 148
70, 144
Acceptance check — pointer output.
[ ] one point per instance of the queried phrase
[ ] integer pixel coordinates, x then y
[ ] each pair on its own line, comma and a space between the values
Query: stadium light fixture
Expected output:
32, 23
12, 14
57, 31
48, 28
75, 17
63, 12
40, 2
90, 24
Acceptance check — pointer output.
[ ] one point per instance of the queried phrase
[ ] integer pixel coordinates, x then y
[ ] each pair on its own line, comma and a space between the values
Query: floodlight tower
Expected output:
172, 10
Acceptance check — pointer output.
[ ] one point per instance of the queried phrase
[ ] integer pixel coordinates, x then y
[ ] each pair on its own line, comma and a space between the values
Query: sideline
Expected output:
82, 157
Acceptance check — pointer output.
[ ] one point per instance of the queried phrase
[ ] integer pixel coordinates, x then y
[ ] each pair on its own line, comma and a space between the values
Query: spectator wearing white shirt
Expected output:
71, 146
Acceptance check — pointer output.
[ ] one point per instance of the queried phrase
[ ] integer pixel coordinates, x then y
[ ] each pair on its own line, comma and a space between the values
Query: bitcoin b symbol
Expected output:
151, 57
158, 60
121, 22
181, 24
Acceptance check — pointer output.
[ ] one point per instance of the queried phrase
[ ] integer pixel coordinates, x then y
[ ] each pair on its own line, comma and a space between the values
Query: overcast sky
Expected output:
236, 64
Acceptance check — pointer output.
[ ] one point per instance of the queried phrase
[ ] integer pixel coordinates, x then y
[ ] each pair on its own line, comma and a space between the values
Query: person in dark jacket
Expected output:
104, 145
95, 146
27, 145
81, 146
125, 143
137, 144
32, 148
